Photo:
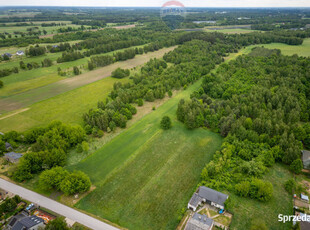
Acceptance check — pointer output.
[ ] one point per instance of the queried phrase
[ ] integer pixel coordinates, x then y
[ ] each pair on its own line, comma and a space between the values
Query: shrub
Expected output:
296, 166
165, 123
290, 185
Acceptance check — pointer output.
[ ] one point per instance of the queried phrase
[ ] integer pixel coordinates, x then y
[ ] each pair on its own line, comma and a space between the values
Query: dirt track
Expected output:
42, 93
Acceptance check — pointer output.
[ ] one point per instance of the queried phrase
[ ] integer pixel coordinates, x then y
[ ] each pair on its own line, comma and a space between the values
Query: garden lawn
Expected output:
246, 209
145, 175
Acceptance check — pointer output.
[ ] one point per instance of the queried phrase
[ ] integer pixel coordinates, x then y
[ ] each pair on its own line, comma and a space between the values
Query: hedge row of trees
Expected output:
60, 179
261, 104
155, 80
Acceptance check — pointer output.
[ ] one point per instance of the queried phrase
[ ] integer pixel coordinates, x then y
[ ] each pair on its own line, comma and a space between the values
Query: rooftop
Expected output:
27, 222
212, 195
305, 155
13, 155
199, 222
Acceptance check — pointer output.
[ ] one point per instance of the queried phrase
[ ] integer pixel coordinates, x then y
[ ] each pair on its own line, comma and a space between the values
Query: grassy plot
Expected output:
68, 107
145, 176
301, 50
24, 99
247, 209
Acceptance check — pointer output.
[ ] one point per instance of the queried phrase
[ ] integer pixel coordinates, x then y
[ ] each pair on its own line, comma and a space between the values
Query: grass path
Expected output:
145, 175
32, 96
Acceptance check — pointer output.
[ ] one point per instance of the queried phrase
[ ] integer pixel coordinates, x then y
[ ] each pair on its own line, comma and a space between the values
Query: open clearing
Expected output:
35, 95
301, 50
246, 209
145, 175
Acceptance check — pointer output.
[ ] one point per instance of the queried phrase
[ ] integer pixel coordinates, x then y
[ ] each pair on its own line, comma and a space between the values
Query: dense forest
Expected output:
261, 103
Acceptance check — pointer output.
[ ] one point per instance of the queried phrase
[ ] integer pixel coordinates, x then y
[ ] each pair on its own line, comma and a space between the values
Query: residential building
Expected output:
20, 53
305, 158
13, 157
22, 222
7, 54
207, 195
199, 222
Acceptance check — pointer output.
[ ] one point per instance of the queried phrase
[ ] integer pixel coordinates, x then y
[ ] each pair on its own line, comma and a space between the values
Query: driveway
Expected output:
56, 207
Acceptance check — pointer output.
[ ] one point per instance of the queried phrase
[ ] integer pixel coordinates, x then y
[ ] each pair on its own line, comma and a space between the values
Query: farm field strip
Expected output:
144, 176
48, 109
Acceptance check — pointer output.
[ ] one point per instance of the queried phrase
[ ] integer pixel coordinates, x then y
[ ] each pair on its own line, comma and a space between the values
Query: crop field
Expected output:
44, 111
31, 79
145, 176
246, 209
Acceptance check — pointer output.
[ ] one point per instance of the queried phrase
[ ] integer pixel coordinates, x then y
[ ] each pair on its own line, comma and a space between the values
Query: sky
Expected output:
158, 3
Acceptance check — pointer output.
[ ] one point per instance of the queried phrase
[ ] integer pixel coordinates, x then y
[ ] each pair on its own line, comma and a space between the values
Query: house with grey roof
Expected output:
199, 222
22, 222
13, 157
7, 54
305, 158
207, 195
20, 53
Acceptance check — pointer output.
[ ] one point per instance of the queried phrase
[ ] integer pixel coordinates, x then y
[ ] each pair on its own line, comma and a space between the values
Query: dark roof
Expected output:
305, 155
212, 195
27, 222
15, 218
13, 155
7, 54
199, 222
195, 200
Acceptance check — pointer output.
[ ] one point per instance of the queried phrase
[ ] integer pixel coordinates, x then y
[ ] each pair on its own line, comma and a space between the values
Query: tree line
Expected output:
261, 103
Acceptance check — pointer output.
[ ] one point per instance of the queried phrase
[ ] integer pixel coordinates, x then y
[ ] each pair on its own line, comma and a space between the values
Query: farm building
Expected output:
20, 53
7, 54
13, 157
305, 158
207, 195
22, 222
199, 222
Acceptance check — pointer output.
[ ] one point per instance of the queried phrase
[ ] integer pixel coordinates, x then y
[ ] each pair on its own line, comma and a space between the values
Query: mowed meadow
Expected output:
145, 176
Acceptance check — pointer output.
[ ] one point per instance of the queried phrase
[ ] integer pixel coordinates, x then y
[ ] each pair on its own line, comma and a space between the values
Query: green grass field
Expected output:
75, 96
301, 50
31, 79
247, 209
145, 175
68, 107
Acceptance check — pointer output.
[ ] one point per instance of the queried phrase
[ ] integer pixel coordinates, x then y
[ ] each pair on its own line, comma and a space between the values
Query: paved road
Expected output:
55, 206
